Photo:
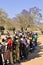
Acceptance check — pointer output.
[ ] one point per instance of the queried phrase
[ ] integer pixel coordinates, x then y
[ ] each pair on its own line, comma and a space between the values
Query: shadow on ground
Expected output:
36, 52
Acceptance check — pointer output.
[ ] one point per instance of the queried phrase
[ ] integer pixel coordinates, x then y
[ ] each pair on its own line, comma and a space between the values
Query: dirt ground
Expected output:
35, 58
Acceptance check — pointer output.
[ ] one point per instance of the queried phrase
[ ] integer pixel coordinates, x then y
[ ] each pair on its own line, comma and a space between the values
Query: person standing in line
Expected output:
18, 51
14, 49
9, 45
1, 60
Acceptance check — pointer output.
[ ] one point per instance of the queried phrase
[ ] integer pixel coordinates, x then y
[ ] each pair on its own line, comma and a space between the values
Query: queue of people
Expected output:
13, 49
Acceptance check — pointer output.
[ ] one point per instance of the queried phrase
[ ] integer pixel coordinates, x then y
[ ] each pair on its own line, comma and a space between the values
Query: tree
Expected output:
3, 17
35, 13
24, 19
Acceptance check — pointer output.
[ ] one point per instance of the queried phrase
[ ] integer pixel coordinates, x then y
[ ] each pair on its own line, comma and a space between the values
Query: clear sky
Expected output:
13, 7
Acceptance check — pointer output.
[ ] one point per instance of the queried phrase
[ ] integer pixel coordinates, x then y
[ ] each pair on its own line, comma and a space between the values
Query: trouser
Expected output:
0, 36
24, 52
14, 55
8, 56
18, 54
1, 62
2, 58
36, 42
11, 58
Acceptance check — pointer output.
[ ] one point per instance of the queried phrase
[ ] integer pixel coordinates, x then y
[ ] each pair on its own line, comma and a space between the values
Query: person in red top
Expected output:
10, 49
9, 43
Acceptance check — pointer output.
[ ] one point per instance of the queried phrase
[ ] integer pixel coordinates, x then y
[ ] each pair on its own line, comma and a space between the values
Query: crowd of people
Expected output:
16, 48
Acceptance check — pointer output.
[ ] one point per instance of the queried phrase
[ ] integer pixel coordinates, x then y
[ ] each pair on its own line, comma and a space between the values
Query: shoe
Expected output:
18, 61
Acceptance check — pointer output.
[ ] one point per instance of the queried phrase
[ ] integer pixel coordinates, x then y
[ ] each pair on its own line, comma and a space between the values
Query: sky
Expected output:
13, 7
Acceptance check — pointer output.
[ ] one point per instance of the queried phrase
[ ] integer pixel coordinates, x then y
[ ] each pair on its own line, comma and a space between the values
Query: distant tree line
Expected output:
26, 19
